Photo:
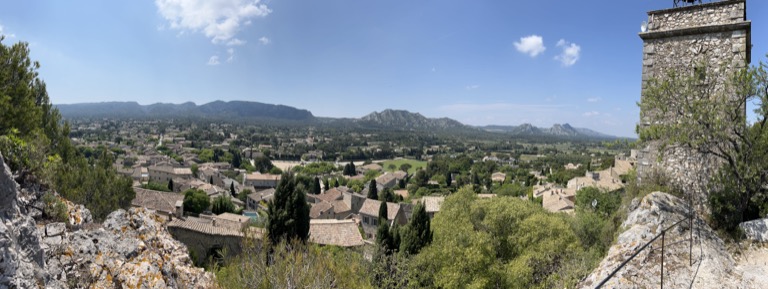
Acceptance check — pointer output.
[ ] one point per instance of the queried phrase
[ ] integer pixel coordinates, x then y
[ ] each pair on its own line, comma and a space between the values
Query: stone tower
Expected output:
715, 35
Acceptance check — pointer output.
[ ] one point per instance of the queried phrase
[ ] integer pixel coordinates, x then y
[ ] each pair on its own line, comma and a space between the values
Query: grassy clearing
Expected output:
415, 165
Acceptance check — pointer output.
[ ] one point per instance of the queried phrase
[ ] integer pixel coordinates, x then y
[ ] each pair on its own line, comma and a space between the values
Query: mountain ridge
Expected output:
249, 110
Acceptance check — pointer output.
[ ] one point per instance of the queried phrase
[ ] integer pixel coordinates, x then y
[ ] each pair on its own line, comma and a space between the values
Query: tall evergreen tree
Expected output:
210, 180
170, 185
383, 237
316, 186
373, 191
418, 233
325, 184
448, 179
288, 211
232, 189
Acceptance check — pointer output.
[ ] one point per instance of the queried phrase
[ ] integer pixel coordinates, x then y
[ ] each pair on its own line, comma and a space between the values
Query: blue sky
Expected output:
479, 62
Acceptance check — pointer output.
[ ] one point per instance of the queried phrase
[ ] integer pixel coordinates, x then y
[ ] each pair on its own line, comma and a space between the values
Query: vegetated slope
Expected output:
401, 119
557, 130
214, 110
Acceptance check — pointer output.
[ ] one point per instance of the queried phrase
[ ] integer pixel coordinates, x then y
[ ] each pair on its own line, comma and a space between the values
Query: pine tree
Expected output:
373, 191
288, 211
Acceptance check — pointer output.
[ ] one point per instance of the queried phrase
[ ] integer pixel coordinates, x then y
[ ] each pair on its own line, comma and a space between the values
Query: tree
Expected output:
196, 201
448, 179
316, 186
232, 189
170, 185
418, 233
383, 237
210, 180
391, 167
711, 120
325, 184
405, 167
222, 204
243, 195
288, 212
373, 191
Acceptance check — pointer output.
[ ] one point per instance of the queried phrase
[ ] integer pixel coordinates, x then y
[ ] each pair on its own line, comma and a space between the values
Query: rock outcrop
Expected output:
131, 249
756, 230
713, 266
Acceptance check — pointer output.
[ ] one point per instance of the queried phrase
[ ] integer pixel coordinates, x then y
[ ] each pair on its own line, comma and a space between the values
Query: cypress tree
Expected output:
170, 185
232, 189
373, 192
288, 211
418, 233
316, 186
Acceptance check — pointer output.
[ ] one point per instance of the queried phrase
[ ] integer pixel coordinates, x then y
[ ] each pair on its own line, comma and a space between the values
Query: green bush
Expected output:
55, 208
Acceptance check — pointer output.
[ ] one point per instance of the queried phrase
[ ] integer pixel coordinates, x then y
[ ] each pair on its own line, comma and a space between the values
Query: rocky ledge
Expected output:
130, 249
713, 266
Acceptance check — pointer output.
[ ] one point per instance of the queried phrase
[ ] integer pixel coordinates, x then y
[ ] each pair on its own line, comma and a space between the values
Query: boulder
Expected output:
713, 266
55, 229
756, 230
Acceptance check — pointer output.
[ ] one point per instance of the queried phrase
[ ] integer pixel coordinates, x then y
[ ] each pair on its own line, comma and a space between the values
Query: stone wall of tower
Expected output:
715, 35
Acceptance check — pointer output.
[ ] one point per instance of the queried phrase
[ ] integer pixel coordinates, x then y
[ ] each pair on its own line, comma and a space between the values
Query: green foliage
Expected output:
316, 186
373, 191
155, 187
55, 208
243, 195
417, 234
288, 212
196, 201
512, 190
711, 119
606, 203
222, 204
294, 265
502, 243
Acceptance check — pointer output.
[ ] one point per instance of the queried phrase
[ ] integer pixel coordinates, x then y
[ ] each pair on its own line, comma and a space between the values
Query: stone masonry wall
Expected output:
201, 243
715, 35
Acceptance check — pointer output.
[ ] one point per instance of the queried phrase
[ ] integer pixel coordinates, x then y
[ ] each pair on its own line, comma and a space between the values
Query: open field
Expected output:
415, 165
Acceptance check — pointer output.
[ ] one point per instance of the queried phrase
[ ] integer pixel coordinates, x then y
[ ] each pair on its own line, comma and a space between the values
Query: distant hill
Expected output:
215, 110
401, 119
557, 130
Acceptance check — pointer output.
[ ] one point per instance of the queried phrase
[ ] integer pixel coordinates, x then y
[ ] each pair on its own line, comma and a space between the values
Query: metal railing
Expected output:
662, 236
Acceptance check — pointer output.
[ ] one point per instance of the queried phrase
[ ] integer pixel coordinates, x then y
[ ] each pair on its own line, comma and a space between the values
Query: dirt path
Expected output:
753, 263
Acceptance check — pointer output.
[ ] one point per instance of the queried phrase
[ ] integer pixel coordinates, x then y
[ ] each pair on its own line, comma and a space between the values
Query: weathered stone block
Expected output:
55, 229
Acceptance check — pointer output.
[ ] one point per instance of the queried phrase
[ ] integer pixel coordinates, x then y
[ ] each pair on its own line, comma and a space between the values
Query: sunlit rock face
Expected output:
130, 249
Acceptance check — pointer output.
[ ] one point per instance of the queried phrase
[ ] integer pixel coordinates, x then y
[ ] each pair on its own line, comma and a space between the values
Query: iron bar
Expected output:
600, 285
663, 233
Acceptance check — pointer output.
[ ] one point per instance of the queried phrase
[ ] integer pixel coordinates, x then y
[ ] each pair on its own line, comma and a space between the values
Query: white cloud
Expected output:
9, 35
214, 60
471, 87
231, 52
264, 40
591, 113
532, 45
593, 99
235, 42
219, 20
570, 53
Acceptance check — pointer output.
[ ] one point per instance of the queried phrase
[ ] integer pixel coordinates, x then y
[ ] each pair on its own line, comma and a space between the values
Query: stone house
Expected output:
369, 214
261, 181
164, 173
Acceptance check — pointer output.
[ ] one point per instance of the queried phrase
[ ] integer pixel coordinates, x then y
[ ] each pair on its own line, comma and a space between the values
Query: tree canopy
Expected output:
288, 211
196, 201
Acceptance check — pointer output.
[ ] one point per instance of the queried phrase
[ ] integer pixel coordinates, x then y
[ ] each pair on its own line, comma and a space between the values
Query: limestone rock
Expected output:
55, 229
756, 230
713, 266
132, 249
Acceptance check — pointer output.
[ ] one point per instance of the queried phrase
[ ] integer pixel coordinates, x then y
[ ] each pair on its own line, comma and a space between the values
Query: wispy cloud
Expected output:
231, 53
3, 32
468, 107
218, 20
593, 99
235, 42
532, 45
264, 40
214, 60
570, 53
591, 113
472, 87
